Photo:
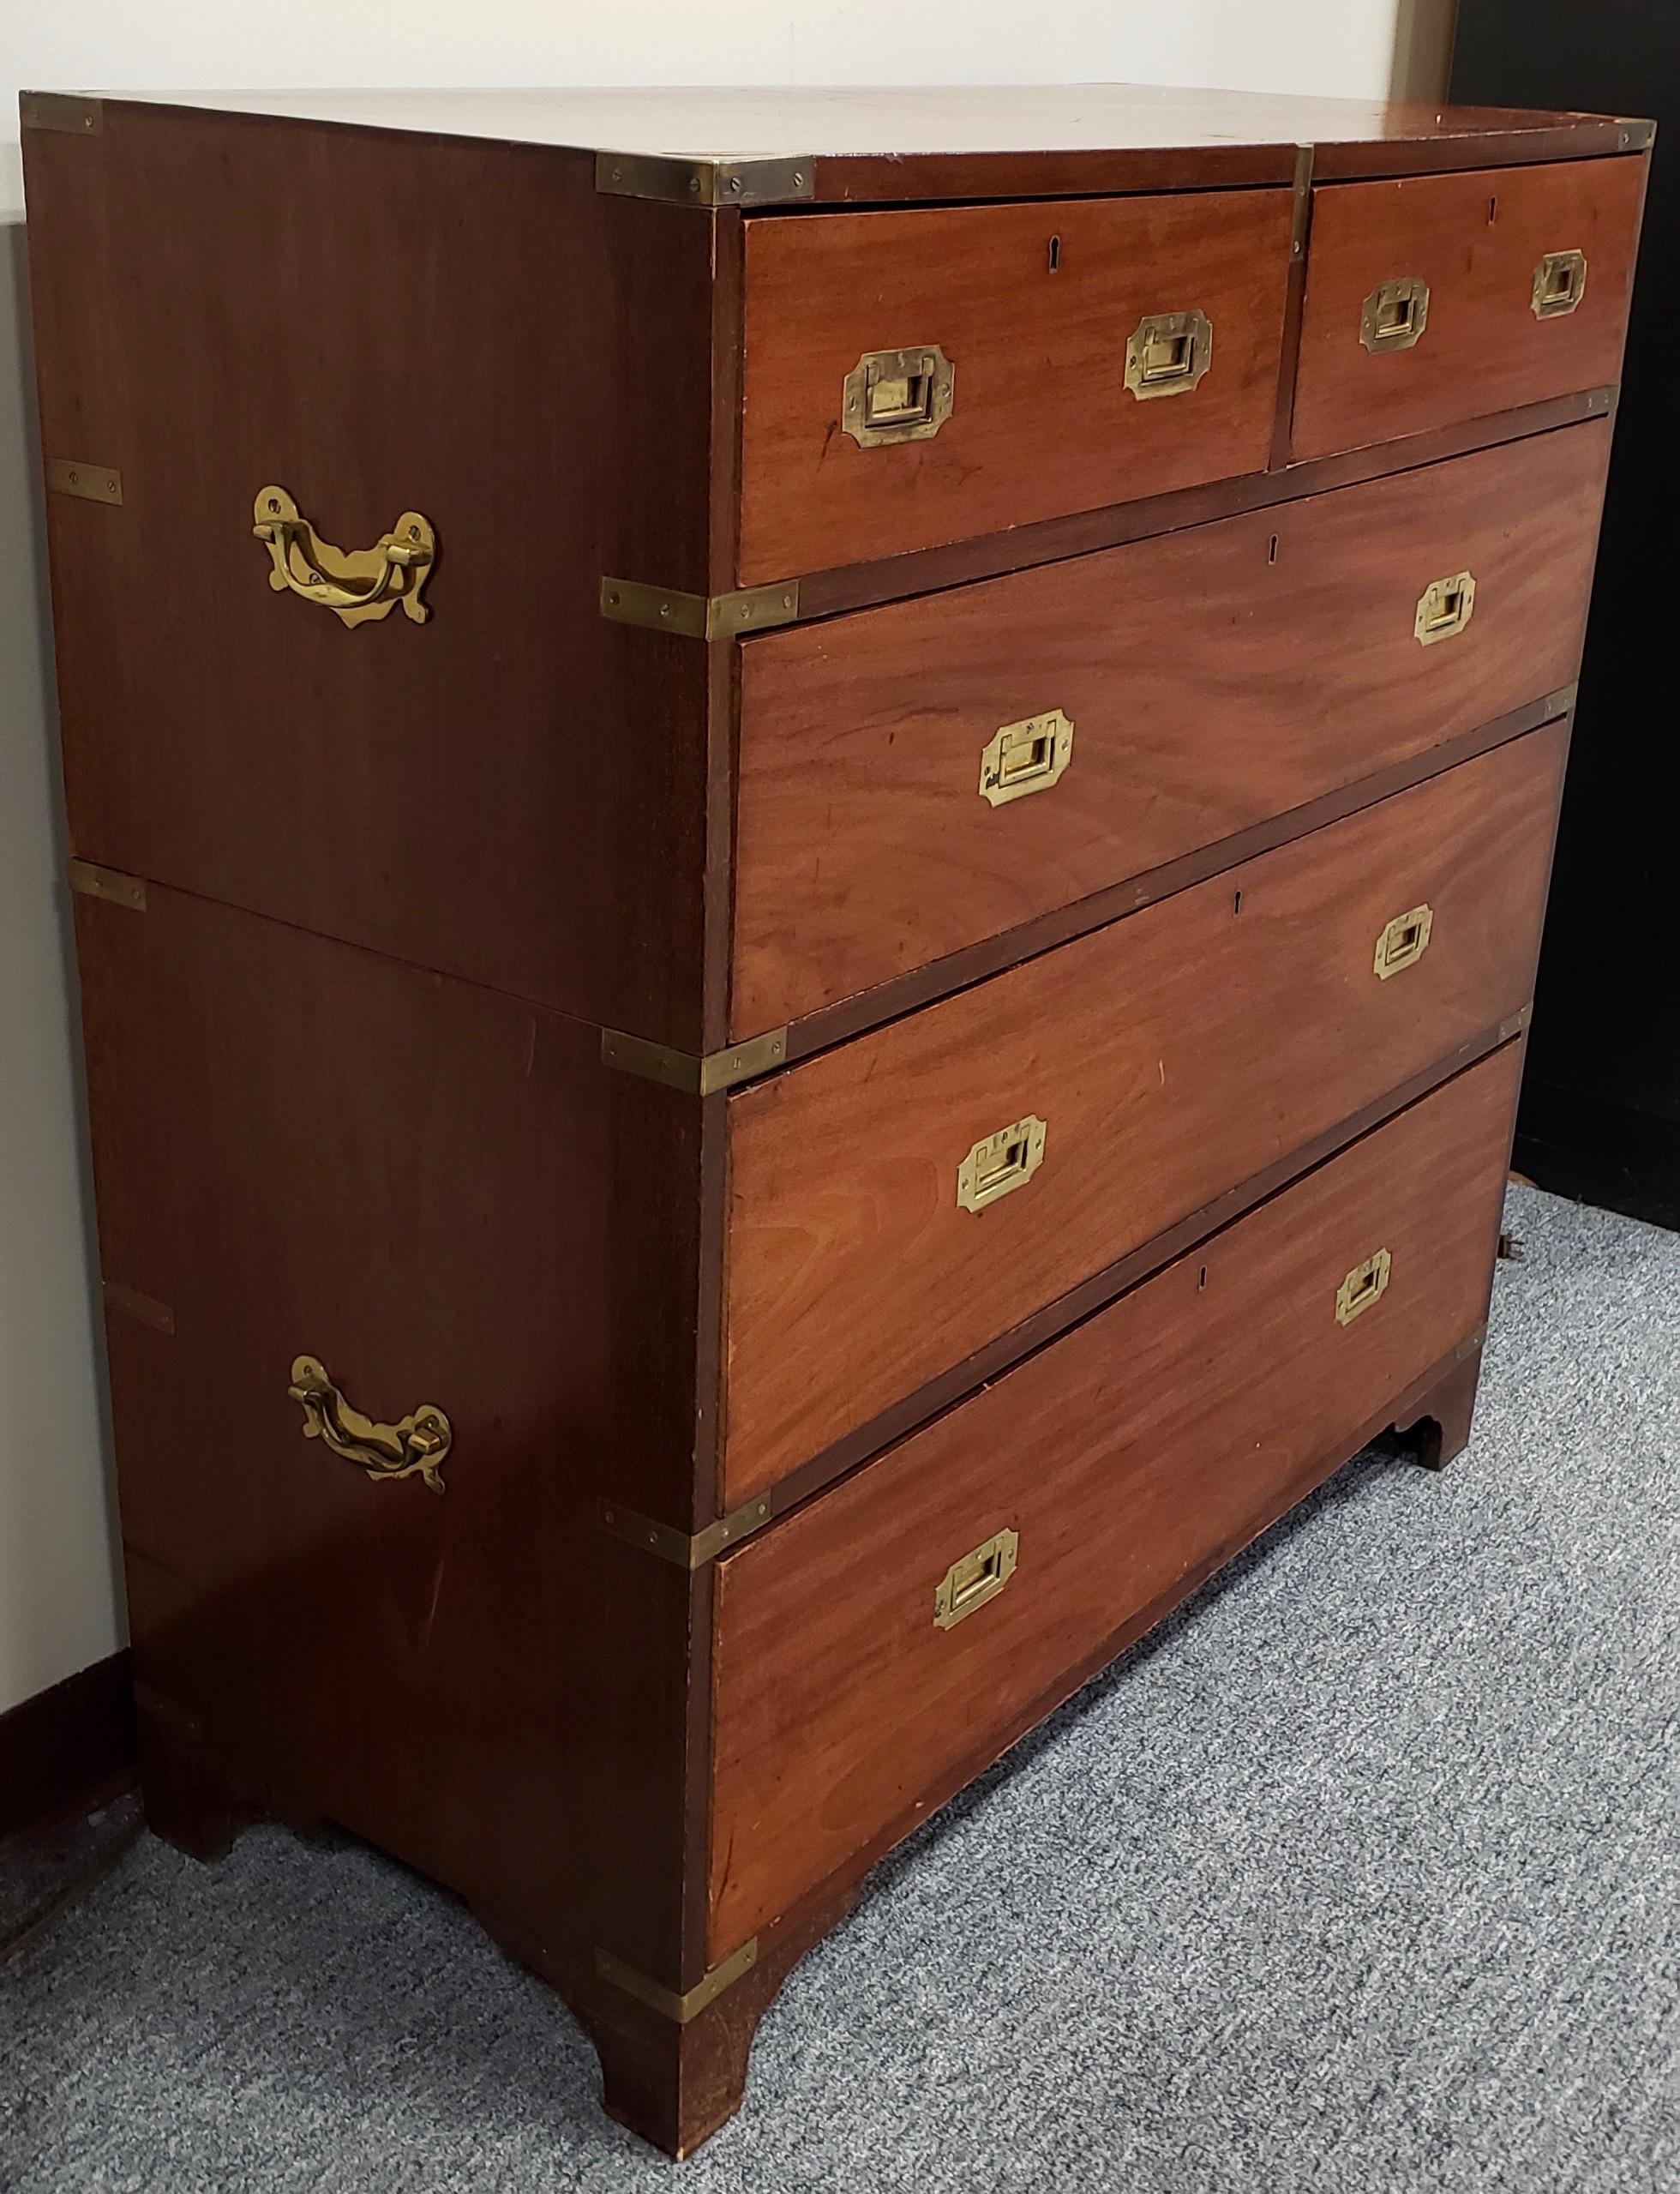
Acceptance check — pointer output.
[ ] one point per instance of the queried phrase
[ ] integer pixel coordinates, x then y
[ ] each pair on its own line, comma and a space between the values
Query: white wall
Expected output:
58, 1606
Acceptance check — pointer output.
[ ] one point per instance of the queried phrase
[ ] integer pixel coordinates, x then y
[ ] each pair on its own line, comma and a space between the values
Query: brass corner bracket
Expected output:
689, 1071
699, 616
66, 110
707, 183
692, 2001
95, 882
689, 1550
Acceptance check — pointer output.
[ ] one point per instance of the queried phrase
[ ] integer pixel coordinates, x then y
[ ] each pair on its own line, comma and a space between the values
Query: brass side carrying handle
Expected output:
358, 585
977, 1577
419, 1442
1025, 757
1394, 315
1168, 353
1365, 1285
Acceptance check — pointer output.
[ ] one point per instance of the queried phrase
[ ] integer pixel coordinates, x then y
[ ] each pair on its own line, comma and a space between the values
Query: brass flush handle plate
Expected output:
1394, 315
418, 1443
1365, 1285
1404, 942
1025, 757
358, 585
1169, 354
891, 396
998, 1164
978, 1577
1444, 609
1560, 284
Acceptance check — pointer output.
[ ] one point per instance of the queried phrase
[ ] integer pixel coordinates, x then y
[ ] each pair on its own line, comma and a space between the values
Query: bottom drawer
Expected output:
1127, 1458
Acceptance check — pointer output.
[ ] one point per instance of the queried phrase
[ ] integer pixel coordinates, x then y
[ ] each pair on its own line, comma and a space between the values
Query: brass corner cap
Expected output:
74, 112
708, 183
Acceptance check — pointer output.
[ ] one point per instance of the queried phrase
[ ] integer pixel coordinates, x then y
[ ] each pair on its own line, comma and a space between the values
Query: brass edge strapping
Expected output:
687, 1071
108, 884
692, 2001
688, 1550
699, 616
72, 476
707, 183
1303, 213
80, 118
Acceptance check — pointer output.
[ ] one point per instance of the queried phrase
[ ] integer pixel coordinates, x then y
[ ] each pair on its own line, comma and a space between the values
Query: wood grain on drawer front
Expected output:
1041, 423
1214, 677
1139, 1450
1173, 1055
1477, 240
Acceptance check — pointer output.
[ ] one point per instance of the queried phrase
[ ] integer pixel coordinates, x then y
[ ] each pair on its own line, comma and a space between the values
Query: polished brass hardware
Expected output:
108, 884
129, 1302
692, 2001
687, 1550
67, 476
1168, 353
1301, 220
356, 585
892, 396
699, 616
418, 1442
1560, 284
1444, 608
704, 183
687, 1070
1025, 757
977, 1577
998, 1164
1394, 316
83, 118
1363, 1286
1404, 942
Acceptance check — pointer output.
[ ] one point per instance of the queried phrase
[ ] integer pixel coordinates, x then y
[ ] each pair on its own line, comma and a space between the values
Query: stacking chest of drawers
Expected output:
846, 995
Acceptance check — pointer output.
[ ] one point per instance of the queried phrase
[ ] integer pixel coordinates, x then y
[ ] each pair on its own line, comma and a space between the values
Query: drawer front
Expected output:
1479, 243
1212, 678
1031, 310
1169, 1057
1127, 1459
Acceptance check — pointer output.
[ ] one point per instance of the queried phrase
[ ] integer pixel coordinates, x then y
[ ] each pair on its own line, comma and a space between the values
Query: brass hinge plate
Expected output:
687, 1550
699, 616
81, 118
68, 476
704, 183
108, 883
687, 1070
692, 2001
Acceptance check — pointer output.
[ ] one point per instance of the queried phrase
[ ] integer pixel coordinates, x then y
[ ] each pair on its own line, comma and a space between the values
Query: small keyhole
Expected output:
1203, 1282
1055, 254
1271, 553
1492, 210
1237, 903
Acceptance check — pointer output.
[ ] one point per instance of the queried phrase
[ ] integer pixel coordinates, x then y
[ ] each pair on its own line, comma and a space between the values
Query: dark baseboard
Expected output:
69, 1747
1585, 1147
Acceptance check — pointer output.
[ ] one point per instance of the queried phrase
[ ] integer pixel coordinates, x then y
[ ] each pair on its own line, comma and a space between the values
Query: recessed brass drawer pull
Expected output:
998, 1164
418, 1442
1394, 316
1025, 757
1169, 354
1560, 284
1444, 608
978, 1577
356, 584
1404, 942
1363, 1286
897, 396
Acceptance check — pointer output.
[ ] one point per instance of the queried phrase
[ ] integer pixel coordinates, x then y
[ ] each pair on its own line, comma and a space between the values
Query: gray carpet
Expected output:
1361, 1875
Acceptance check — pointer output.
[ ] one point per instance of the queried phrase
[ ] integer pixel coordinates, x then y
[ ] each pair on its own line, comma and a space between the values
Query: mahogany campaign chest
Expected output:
808, 833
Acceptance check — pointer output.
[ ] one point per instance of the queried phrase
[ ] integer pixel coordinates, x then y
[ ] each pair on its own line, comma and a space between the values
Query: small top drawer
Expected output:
1452, 297
914, 378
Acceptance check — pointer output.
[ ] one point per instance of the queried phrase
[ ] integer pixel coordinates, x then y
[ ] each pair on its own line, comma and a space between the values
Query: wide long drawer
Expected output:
859, 1671
897, 1204
912, 378
913, 778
